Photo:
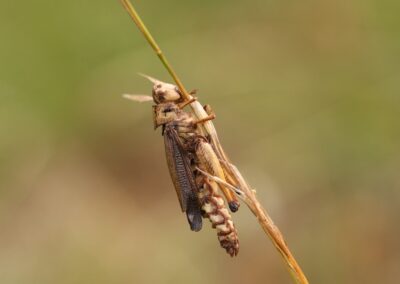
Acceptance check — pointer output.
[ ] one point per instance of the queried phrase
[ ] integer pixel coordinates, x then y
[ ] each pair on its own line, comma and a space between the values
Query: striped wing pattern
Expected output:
182, 177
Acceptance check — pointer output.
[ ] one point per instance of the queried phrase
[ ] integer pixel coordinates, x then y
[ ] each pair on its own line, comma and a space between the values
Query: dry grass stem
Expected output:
244, 191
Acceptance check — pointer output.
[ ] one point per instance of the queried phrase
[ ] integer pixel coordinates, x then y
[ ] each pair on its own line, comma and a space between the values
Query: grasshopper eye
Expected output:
169, 108
166, 110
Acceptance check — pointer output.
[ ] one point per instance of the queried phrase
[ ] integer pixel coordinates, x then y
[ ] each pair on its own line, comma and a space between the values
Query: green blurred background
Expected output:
307, 101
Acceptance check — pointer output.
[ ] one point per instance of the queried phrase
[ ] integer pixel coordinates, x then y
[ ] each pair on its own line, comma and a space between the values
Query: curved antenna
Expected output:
138, 98
151, 79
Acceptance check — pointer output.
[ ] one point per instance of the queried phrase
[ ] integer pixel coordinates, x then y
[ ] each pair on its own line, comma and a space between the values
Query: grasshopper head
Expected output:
165, 92
164, 113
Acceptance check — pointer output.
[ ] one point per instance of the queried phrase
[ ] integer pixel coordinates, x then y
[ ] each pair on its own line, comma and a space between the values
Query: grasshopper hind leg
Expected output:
209, 161
234, 205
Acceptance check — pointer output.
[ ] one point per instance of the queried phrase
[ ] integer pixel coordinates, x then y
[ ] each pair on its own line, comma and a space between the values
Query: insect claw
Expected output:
193, 92
208, 109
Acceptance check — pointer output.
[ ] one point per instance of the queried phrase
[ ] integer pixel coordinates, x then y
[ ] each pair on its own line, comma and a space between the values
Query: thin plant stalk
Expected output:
142, 27
248, 195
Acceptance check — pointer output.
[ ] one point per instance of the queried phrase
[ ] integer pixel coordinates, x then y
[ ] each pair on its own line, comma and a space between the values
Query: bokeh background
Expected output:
307, 101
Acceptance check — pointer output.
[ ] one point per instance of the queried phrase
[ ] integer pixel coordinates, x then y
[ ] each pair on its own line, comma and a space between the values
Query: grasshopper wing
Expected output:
182, 177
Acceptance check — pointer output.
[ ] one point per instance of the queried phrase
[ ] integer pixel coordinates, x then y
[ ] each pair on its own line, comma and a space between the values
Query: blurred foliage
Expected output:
307, 102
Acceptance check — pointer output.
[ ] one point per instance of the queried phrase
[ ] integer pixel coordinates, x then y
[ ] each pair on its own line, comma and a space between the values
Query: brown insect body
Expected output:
169, 104
179, 160
187, 147
214, 209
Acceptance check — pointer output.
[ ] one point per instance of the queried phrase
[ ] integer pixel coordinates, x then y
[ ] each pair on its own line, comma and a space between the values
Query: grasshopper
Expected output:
165, 93
189, 155
231, 179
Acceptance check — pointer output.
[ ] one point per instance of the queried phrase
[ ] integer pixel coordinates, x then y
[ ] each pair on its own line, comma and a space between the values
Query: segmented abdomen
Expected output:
215, 210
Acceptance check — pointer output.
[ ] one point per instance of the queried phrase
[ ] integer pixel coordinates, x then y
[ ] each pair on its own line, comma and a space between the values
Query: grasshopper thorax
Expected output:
164, 113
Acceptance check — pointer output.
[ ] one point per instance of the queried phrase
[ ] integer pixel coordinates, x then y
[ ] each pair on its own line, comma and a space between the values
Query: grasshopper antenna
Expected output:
151, 79
138, 98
